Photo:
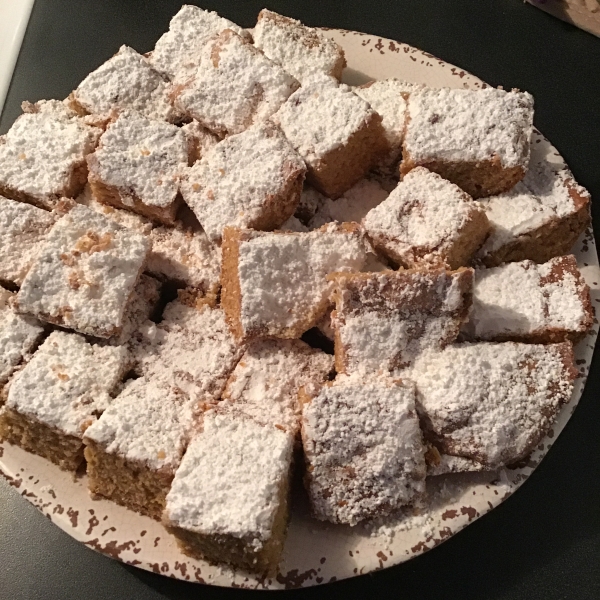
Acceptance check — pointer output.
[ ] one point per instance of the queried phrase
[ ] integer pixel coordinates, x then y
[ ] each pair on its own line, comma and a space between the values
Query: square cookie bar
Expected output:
61, 391
234, 86
338, 134
541, 217
125, 81
253, 179
229, 499
42, 156
138, 166
427, 220
275, 284
492, 403
177, 52
135, 447
22, 231
383, 321
526, 302
19, 337
299, 49
363, 447
478, 139
265, 383
84, 273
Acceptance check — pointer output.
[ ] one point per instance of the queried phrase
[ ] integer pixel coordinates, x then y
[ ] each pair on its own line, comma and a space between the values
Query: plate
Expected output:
315, 552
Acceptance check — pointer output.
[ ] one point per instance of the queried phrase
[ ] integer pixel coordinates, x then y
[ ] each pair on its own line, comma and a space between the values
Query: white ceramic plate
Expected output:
315, 552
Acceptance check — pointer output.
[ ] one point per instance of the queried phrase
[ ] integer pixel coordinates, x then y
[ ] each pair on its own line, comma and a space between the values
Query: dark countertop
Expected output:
543, 543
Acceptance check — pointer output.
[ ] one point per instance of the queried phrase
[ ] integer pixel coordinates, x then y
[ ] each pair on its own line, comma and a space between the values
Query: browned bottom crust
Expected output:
478, 179
129, 484
62, 449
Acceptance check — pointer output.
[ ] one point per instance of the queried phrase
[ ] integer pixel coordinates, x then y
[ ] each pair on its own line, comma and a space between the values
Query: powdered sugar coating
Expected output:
42, 152
185, 256
299, 49
149, 423
22, 231
143, 158
191, 348
126, 81
265, 383
321, 116
19, 335
525, 300
295, 225
353, 205
492, 402
177, 52
248, 180
235, 86
383, 321
200, 140
283, 277
457, 125
363, 448
454, 464
230, 479
84, 273
68, 382
422, 219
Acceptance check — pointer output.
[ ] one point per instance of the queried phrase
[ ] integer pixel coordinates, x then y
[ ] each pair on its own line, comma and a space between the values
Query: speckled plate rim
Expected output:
315, 552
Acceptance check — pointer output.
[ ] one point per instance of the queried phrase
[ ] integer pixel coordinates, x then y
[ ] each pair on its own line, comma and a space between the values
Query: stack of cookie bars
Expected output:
171, 230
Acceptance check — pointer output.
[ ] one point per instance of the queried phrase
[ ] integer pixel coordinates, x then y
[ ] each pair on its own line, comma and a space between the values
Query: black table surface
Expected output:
544, 542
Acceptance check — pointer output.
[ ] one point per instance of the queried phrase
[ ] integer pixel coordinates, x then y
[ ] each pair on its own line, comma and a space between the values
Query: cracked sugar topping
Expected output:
299, 49
186, 257
41, 151
321, 116
149, 422
19, 335
143, 158
68, 382
423, 216
22, 231
363, 447
231, 479
240, 181
235, 86
456, 125
170, 351
385, 320
522, 298
265, 383
84, 273
283, 276
126, 81
353, 205
177, 52
492, 402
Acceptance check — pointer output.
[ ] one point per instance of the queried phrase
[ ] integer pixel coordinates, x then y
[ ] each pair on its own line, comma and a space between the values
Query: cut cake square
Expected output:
125, 81
363, 447
234, 86
23, 228
42, 156
383, 321
526, 302
84, 273
59, 393
229, 498
138, 166
478, 139
300, 50
427, 220
275, 284
339, 136
253, 179
492, 403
